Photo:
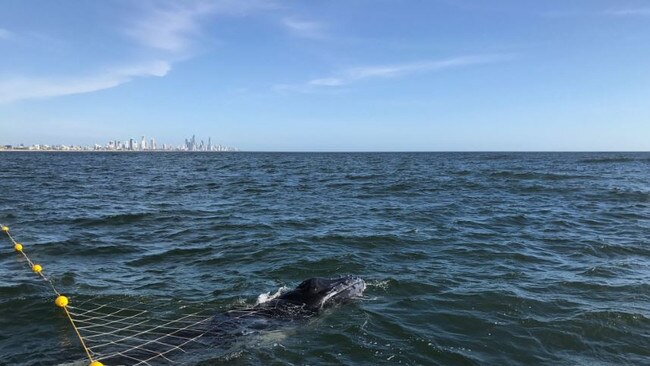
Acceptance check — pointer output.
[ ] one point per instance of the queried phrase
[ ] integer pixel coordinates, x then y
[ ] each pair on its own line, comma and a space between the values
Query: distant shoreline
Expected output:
114, 151
329, 151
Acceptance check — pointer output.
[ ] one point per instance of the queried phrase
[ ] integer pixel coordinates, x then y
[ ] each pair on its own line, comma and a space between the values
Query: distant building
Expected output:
128, 145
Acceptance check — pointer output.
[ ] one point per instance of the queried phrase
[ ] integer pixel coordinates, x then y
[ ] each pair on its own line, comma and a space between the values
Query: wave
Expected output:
613, 318
630, 195
370, 177
618, 159
170, 255
78, 248
361, 241
118, 219
537, 175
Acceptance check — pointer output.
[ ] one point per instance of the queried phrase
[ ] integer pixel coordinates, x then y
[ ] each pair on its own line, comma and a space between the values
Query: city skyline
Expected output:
130, 144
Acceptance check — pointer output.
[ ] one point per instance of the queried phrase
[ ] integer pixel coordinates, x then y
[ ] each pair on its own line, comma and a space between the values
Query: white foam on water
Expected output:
262, 298
273, 337
379, 284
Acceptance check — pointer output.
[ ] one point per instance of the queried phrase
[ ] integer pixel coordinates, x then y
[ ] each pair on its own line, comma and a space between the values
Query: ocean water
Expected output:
470, 258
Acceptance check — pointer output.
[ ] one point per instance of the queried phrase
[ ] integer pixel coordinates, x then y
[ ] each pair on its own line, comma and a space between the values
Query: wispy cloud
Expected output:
638, 12
244, 7
177, 26
169, 30
171, 27
611, 13
32, 88
305, 29
358, 74
5, 34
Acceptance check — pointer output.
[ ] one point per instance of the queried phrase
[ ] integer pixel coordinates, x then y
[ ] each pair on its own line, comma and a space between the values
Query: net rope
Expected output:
122, 332
136, 335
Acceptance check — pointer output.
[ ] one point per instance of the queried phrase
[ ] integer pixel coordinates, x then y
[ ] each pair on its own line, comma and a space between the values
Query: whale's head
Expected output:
317, 293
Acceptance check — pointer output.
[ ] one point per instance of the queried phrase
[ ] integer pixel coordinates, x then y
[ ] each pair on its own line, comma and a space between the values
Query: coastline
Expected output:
112, 151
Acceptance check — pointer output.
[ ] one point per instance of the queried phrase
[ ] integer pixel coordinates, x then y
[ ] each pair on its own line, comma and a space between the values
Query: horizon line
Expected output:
324, 151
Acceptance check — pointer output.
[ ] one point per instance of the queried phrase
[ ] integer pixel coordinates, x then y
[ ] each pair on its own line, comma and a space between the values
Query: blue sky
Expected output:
329, 75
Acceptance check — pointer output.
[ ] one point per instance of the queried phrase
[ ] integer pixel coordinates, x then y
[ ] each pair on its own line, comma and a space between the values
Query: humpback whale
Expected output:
308, 299
305, 301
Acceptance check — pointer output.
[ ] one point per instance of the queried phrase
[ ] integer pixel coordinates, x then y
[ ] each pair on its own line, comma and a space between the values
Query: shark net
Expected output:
124, 333
127, 330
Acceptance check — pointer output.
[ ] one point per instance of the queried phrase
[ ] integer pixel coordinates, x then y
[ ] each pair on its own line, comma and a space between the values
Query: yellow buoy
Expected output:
37, 268
96, 363
18, 247
61, 301
5, 228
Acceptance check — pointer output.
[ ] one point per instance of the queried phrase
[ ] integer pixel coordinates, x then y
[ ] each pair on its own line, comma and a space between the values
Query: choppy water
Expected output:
471, 258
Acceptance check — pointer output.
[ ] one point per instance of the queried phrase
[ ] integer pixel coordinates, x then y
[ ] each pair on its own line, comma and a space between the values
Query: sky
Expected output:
353, 75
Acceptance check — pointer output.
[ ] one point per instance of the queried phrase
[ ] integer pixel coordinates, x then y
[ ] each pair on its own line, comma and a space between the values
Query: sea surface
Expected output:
470, 258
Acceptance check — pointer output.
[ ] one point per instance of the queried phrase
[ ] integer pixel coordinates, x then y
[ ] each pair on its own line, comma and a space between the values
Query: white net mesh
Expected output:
126, 331
121, 333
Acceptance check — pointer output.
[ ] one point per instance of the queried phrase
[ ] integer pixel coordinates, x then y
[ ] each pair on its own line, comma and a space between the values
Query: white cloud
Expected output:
327, 82
622, 12
172, 27
176, 26
391, 71
305, 29
357, 74
243, 7
5, 34
169, 30
629, 12
33, 88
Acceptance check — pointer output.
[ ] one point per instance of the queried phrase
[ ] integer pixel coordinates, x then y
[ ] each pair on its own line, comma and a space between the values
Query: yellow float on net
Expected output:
5, 228
18, 247
96, 363
61, 301
37, 268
